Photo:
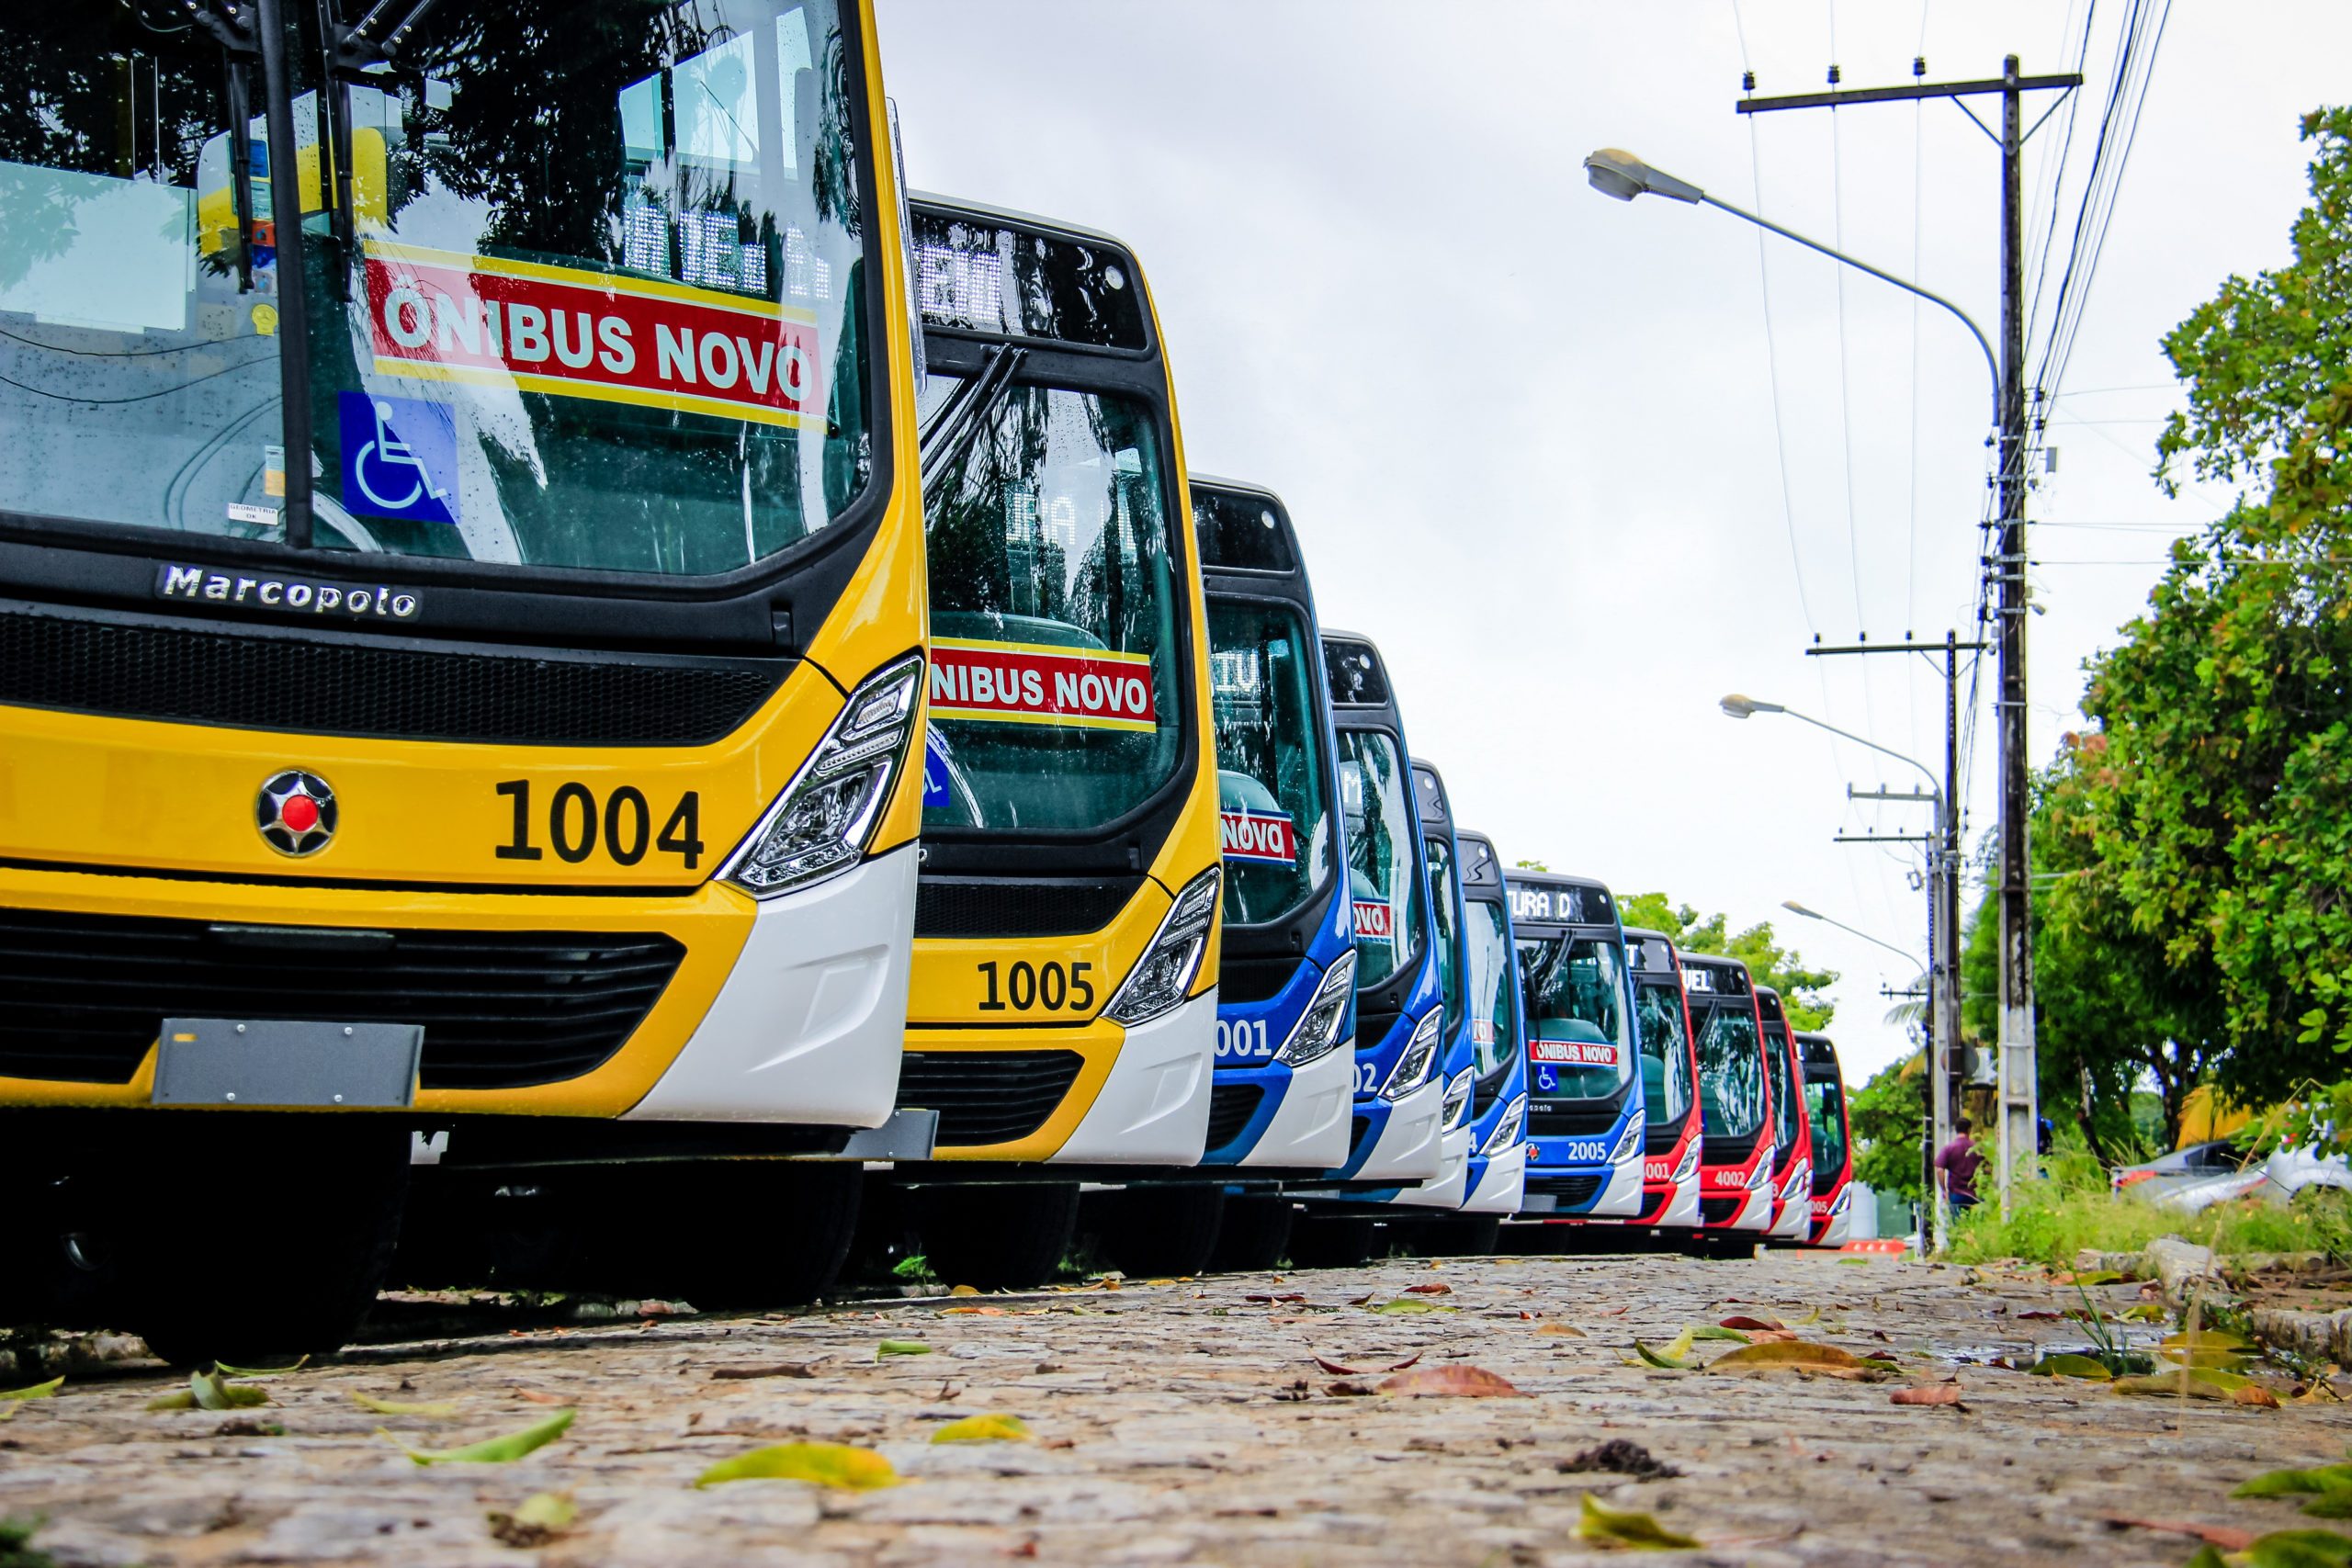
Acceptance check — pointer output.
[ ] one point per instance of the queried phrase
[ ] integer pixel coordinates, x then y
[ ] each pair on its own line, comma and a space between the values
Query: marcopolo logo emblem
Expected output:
294, 812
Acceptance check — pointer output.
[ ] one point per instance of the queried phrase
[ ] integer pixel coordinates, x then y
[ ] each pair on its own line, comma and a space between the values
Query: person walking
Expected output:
1956, 1165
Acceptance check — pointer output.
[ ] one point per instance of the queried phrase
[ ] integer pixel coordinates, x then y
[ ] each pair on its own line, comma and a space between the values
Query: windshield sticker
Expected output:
1375, 922
1258, 836
936, 791
579, 334
1573, 1053
400, 457
1012, 682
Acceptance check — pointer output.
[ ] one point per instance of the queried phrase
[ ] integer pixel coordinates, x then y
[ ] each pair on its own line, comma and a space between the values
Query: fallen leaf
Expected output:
1434, 1288
38, 1391
2067, 1365
1456, 1380
1560, 1328
1289, 1296
227, 1371
2040, 1313
1933, 1393
2330, 1505
492, 1451
1347, 1388
2181, 1383
901, 1348
535, 1397
1358, 1301
964, 1290
542, 1516
2098, 1277
768, 1369
983, 1429
825, 1464
2223, 1536
1404, 1305
2144, 1312
211, 1391
2286, 1483
1708, 1331
1615, 1527
388, 1407
977, 1312
1739, 1321
1800, 1354
2256, 1395
2299, 1549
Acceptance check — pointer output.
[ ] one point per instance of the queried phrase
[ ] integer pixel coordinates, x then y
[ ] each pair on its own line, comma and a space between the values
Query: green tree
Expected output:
1800, 986
1888, 1117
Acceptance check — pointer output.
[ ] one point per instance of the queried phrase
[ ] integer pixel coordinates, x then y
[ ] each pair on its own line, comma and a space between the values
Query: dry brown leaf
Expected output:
1288, 1296
536, 1398
1457, 1380
1560, 1328
2256, 1395
1933, 1393
1345, 1389
2222, 1536
1741, 1321
771, 1369
1798, 1354
1432, 1289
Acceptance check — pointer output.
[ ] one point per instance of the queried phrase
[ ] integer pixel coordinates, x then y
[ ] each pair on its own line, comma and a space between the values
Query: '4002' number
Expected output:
621, 825
1027, 987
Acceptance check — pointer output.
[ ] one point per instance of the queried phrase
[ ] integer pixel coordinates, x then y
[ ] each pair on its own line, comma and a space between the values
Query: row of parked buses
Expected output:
590, 690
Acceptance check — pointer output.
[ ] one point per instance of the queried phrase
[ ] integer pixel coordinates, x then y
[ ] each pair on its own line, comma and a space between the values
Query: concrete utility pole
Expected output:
2019, 1115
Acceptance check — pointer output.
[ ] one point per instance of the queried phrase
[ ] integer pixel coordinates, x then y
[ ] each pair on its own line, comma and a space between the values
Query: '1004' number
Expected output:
621, 825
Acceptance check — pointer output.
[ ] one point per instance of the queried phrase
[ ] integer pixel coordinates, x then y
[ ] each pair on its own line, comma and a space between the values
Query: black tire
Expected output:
1009, 1237
759, 1233
1332, 1241
1149, 1232
1476, 1237
259, 1237
1255, 1234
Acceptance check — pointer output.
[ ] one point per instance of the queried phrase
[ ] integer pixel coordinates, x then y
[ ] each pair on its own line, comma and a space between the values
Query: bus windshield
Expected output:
1494, 1003
593, 299
1577, 1033
1787, 1113
1666, 1053
1276, 825
1731, 1073
1389, 919
1824, 1104
1055, 701
1442, 893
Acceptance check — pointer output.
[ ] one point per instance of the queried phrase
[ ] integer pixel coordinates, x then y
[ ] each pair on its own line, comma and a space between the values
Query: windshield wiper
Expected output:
369, 48
232, 26
942, 441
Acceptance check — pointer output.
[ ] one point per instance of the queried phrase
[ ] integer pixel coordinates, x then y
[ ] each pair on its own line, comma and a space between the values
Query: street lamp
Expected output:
1793, 908
1739, 705
1615, 172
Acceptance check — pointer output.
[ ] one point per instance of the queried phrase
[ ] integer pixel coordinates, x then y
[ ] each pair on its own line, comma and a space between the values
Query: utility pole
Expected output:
1942, 1023
2019, 1115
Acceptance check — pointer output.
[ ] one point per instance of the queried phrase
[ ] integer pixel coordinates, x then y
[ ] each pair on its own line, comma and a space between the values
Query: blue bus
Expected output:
1456, 1068
1497, 1172
1585, 1101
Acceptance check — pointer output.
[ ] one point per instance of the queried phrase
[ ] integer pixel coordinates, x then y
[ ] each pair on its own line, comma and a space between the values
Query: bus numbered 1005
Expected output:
1064, 1008
462, 632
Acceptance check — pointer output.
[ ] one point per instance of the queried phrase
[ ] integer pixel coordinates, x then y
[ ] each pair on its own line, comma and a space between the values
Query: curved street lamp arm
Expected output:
1934, 783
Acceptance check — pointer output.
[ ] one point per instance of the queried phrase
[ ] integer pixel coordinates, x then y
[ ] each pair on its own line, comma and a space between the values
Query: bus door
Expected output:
1735, 1095
1063, 1011
1498, 1034
1670, 1137
1584, 1113
1791, 1128
1833, 1152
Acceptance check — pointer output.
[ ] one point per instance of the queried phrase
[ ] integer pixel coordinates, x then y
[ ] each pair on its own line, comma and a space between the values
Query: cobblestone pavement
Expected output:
1188, 1422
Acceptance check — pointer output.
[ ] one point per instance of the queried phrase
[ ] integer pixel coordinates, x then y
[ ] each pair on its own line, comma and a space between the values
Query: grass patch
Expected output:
2071, 1209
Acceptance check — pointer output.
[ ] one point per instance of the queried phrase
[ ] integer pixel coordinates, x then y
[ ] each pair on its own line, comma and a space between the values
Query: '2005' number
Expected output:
577, 823
1027, 987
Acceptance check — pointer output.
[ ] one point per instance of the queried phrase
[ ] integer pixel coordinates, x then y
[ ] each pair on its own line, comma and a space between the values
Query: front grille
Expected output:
986, 1097
258, 679
1570, 1118
83, 997
1654, 1212
1719, 1211
1230, 1106
1568, 1191
1011, 907
1241, 981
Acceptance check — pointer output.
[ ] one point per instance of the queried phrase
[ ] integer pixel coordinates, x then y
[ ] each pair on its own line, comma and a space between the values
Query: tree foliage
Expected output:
1801, 986
1888, 1117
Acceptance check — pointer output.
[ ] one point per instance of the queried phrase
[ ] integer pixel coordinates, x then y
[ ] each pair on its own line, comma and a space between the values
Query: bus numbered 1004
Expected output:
1585, 1096
1064, 1008
1736, 1153
462, 630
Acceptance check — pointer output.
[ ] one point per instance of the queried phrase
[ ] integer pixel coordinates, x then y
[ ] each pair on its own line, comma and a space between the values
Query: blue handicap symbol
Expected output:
400, 457
1548, 1078
934, 773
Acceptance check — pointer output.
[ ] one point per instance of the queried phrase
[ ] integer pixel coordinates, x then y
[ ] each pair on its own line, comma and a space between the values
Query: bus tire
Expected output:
1255, 1235
1477, 1236
765, 1232
1154, 1231
1009, 1237
1332, 1241
262, 1235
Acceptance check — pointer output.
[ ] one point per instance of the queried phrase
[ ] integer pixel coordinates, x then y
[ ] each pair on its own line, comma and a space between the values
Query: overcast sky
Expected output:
1530, 434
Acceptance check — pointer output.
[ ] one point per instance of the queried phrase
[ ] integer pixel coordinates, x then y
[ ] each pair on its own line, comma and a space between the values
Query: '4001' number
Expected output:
1027, 987
578, 825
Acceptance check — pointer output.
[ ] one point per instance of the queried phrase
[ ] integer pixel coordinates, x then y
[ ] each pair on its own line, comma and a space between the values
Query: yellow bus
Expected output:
462, 625
1064, 1008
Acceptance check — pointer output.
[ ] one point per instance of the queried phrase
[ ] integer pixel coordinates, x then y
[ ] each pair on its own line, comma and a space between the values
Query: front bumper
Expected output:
1153, 1107
1754, 1211
1794, 1216
1447, 1188
1682, 1208
1498, 1184
1309, 1130
1838, 1225
1403, 1138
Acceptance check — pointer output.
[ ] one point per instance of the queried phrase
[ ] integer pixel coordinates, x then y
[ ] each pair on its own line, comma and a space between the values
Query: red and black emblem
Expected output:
295, 813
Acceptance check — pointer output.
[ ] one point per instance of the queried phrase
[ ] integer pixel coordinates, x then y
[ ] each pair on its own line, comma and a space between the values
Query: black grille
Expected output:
1719, 1211
1241, 981
252, 680
1568, 1191
1570, 1118
1230, 1106
82, 997
1654, 1211
986, 1097
1029, 906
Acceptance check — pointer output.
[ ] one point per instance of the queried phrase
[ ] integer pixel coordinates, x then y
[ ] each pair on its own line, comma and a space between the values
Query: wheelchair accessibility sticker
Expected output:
400, 457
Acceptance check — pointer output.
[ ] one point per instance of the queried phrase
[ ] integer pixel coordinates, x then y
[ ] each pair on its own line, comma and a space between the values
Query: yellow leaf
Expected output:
825, 1464
391, 1407
964, 1290
493, 1450
901, 1348
38, 1391
227, 1371
542, 1516
1615, 1527
2065, 1365
1407, 1305
1801, 1354
211, 1391
994, 1428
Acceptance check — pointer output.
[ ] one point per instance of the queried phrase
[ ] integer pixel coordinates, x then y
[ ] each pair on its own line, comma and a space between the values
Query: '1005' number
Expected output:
1026, 986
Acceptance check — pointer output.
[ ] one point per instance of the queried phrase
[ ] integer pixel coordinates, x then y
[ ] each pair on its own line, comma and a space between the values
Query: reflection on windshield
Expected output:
1732, 1100
1492, 982
1666, 1053
1276, 828
1579, 1043
1389, 916
1825, 1105
1443, 894
1054, 695
1787, 1118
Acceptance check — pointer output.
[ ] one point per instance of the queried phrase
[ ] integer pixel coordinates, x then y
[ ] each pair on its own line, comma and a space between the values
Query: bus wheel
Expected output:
1254, 1236
1011, 1237
260, 1235
765, 1233
1331, 1241
1477, 1237
1152, 1231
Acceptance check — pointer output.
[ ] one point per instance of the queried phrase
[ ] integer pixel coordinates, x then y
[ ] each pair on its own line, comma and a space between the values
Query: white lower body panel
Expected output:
1310, 1127
1501, 1186
1621, 1195
1409, 1148
1154, 1108
1451, 1184
1682, 1209
1755, 1209
811, 1022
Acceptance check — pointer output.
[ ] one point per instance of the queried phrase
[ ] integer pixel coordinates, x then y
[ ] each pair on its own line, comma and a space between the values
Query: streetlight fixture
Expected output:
1739, 706
1793, 908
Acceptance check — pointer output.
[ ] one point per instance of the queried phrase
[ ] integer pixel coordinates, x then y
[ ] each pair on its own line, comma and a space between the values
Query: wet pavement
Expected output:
1190, 1422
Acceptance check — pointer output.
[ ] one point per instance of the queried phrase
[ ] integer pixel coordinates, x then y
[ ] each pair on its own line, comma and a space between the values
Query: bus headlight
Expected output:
1689, 1165
1506, 1130
1164, 974
821, 824
1317, 1030
1798, 1183
1457, 1099
1413, 1069
1629, 1144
